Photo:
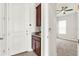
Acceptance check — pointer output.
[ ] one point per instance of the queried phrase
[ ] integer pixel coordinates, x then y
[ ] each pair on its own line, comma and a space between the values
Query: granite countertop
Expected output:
36, 35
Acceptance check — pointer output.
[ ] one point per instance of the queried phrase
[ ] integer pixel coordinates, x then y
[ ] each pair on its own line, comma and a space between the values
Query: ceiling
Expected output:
69, 5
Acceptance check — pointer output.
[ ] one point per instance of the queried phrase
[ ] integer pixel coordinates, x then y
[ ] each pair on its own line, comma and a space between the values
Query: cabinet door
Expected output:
33, 44
38, 15
38, 48
18, 21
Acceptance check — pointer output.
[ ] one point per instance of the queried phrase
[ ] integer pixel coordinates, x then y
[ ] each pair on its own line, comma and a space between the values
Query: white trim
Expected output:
44, 30
30, 50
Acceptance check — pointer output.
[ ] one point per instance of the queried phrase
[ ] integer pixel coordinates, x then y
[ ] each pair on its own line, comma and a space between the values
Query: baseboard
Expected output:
30, 50
23, 52
67, 39
19, 53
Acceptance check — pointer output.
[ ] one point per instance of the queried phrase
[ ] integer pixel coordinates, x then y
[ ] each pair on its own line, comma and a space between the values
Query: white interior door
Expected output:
18, 16
2, 38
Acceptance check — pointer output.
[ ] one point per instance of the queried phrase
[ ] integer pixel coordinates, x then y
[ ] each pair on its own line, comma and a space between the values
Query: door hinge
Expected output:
78, 41
8, 49
3, 51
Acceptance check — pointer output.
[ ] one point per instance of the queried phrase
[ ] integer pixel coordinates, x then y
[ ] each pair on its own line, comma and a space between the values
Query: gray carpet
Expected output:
66, 48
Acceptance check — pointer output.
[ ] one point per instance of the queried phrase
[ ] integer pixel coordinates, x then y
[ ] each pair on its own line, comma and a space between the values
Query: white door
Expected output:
18, 16
2, 37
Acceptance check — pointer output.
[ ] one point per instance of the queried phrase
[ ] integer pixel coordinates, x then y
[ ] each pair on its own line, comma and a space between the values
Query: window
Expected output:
62, 26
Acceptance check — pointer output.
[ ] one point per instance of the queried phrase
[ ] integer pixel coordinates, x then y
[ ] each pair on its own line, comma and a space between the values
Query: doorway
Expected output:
66, 31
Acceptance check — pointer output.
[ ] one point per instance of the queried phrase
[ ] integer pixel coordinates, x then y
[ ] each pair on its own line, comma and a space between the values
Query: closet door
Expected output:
2, 38
18, 16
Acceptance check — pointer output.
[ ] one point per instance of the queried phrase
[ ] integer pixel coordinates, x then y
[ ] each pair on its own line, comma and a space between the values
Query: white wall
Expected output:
44, 30
48, 40
52, 29
71, 26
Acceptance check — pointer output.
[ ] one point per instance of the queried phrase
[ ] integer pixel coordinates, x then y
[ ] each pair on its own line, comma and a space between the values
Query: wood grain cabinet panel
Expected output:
36, 45
38, 15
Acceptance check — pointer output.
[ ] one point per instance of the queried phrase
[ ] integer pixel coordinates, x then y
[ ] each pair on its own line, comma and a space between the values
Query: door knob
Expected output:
1, 38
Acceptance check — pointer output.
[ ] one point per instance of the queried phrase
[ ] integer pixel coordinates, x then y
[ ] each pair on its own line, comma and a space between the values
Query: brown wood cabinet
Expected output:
36, 45
38, 15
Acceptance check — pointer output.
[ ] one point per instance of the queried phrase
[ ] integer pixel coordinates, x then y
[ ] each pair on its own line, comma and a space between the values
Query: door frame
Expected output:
46, 50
